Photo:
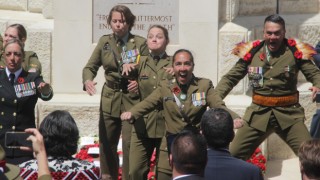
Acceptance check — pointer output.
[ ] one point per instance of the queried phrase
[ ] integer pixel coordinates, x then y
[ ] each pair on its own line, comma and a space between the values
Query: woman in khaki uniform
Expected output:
30, 62
147, 134
184, 99
118, 93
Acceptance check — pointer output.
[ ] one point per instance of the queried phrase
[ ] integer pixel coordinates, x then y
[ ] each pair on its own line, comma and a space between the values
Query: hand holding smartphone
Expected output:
15, 139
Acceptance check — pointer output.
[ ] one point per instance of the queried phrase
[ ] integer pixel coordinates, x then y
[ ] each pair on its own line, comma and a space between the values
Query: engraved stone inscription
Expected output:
147, 12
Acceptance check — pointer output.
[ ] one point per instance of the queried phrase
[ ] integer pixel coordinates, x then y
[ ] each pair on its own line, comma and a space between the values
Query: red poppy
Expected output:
258, 159
298, 54
256, 43
291, 42
247, 57
20, 80
176, 90
262, 56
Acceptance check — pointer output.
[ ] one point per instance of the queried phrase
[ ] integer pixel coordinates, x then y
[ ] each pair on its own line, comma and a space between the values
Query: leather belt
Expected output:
118, 86
273, 101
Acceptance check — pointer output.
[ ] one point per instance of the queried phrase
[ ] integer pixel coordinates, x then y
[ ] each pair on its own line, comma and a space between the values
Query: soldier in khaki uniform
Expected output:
184, 99
118, 93
147, 134
30, 62
272, 66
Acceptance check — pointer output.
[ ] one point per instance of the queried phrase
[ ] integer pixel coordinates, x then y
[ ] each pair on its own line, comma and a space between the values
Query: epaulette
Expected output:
300, 50
246, 50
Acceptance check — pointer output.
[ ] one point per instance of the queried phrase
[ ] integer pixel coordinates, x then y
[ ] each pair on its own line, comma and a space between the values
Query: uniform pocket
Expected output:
106, 100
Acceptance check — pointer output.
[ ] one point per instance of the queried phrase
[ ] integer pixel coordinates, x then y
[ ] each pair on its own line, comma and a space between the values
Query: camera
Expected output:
15, 139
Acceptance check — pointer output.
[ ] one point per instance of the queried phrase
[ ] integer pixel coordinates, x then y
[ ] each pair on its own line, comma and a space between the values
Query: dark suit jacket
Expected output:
221, 165
17, 113
192, 177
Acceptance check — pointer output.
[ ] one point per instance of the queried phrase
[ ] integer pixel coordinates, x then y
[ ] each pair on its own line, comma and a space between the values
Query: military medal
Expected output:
26, 89
129, 56
199, 99
255, 75
183, 96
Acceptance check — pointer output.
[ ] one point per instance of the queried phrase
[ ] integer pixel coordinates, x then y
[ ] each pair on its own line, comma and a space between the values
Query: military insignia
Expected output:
183, 96
255, 75
286, 71
130, 56
106, 46
199, 99
25, 89
132, 40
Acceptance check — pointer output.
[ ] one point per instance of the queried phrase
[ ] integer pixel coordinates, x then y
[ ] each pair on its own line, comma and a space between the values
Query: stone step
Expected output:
283, 169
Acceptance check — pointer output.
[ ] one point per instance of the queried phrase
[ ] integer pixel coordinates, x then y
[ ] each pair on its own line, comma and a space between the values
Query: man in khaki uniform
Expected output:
118, 93
272, 66
184, 99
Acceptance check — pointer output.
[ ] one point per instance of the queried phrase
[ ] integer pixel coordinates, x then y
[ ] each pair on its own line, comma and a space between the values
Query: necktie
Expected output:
120, 43
12, 76
156, 59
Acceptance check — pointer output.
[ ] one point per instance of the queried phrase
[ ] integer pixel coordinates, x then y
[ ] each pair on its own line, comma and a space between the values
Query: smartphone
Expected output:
318, 97
15, 139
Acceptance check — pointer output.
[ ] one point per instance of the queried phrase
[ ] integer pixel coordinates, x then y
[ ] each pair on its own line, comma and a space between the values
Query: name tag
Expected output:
25, 89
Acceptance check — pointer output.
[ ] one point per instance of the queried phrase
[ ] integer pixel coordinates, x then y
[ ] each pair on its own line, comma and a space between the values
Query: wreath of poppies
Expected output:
258, 159
83, 155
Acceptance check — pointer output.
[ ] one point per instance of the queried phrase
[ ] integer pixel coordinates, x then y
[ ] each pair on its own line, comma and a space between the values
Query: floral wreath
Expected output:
83, 155
259, 160
299, 49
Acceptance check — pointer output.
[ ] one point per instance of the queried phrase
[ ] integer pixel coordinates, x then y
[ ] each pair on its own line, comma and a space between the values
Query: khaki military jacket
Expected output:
1, 42
30, 62
107, 55
150, 76
193, 108
280, 77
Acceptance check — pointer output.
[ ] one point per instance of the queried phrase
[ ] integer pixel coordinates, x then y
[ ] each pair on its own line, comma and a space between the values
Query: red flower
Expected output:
151, 176
256, 43
262, 56
20, 80
176, 90
298, 54
291, 42
258, 159
247, 57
